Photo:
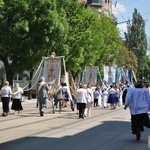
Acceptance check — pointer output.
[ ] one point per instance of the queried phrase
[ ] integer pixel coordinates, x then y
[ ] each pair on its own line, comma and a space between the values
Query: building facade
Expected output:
101, 6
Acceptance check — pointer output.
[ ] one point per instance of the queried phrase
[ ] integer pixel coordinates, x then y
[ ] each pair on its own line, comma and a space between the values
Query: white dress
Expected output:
105, 98
100, 99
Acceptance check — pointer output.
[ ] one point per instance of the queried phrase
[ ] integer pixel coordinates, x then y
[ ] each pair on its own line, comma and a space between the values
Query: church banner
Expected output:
52, 69
106, 69
91, 75
130, 75
109, 74
118, 75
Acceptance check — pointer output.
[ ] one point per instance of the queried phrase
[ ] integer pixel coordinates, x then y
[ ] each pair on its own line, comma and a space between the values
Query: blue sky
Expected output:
125, 8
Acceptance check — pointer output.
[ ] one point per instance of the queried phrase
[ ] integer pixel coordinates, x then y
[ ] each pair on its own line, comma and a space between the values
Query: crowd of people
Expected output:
92, 97
88, 96
136, 97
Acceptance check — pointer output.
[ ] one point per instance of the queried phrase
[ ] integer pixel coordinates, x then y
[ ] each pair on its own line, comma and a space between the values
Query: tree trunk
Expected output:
9, 72
29, 92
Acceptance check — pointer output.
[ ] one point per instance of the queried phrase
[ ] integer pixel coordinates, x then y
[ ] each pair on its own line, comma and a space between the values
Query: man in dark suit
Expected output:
58, 97
42, 95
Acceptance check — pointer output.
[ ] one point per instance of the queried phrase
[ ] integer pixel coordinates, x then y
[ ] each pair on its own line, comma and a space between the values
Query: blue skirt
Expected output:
112, 98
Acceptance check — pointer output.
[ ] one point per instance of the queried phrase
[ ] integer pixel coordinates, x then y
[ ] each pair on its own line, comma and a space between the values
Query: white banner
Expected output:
106, 70
52, 69
109, 74
112, 75
91, 75
118, 75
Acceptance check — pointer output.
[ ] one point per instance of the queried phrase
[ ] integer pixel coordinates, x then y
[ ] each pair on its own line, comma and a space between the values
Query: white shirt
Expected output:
6, 91
90, 95
112, 91
64, 88
17, 93
81, 95
138, 100
105, 95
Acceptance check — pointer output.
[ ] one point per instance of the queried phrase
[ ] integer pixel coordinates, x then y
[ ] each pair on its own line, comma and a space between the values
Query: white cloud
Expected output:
117, 9
122, 27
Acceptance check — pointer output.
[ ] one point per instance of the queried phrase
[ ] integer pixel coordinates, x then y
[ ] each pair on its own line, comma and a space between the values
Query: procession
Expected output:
83, 97
74, 75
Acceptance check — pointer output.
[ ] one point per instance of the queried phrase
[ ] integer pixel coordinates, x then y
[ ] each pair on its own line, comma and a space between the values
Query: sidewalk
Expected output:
105, 130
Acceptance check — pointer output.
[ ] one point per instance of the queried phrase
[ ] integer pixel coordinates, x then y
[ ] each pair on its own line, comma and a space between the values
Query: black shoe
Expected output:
42, 113
138, 134
82, 116
4, 114
106, 107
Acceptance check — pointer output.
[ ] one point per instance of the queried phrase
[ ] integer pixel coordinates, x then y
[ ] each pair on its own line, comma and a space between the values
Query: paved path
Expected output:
105, 130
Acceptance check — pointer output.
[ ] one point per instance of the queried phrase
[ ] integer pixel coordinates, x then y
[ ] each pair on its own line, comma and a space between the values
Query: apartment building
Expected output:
101, 6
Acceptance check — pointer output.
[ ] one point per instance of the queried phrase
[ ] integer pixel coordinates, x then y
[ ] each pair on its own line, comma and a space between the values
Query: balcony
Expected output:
95, 3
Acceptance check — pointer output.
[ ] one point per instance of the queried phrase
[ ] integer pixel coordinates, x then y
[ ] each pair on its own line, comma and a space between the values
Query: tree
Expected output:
28, 29
147, 68
136, 40
109, 41
32, 29
127, 59
90, 36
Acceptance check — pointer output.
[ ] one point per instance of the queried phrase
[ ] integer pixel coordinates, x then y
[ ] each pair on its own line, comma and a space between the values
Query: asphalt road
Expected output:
105, 130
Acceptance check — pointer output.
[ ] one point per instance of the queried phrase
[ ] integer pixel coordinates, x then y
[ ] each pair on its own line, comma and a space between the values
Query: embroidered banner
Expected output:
109, 74
52, 69
91, 75
118, 75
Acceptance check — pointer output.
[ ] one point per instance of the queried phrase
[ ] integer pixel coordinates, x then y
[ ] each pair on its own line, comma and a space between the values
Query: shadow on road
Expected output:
111, 135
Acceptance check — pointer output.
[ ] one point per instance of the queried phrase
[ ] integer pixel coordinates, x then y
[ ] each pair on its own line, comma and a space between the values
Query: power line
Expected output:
131, 3
120, 12
146, 13
125, 20
126, 4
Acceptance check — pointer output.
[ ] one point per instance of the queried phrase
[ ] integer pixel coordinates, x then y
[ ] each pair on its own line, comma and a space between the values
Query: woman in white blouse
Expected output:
5, 97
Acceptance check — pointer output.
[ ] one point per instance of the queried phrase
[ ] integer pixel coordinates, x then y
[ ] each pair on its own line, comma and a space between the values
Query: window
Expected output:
18, 77
107, 1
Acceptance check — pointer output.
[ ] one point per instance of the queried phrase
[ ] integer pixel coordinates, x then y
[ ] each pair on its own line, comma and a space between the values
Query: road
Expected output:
105, 130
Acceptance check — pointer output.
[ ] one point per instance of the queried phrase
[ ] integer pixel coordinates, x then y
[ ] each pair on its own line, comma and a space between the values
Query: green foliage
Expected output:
30, 29
110, 41
127, 59
91, 38
136, 39
146, 73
